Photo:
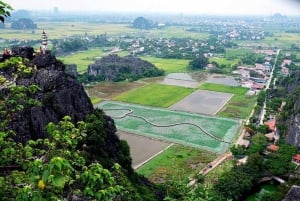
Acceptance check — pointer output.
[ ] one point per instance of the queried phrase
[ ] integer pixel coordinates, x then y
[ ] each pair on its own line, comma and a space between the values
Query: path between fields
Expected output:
212, 165
215, 163
130, 113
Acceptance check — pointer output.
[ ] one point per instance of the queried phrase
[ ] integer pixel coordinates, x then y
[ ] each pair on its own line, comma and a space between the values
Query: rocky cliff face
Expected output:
115, 68
60, 95
290, 116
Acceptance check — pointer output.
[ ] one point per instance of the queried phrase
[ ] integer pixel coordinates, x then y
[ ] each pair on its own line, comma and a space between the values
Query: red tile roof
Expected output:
257, 86
297, 157
273, 147
271, 124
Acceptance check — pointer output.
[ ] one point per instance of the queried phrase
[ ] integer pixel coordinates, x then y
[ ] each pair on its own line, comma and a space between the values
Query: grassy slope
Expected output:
155, 95
240, 105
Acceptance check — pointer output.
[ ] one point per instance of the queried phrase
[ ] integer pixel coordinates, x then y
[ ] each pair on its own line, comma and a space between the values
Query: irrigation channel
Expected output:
130, 113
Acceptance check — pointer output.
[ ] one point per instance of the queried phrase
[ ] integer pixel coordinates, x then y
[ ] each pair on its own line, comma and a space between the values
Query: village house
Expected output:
271, 125
272, 148
296, 159
286, 62
255, 86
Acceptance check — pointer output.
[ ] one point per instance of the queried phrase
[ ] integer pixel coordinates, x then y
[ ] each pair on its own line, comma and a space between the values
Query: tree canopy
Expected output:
5, 10
198, 63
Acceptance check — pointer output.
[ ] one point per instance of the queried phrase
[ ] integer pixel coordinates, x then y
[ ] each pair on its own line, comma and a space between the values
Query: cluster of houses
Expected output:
261, 71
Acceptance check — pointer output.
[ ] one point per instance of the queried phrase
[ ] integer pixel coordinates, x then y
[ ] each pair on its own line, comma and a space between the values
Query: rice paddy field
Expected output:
176, 31
60, 30
158, 95
169, 65
279, 40
200, 131
239, 106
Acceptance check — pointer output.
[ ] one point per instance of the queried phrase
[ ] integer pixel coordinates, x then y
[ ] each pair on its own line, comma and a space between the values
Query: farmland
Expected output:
155, 95
239, 106
200, 131
177, 161
169, 65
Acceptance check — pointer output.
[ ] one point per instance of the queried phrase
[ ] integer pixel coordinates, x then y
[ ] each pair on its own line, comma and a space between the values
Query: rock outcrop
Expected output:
60, 95
116, 68
289, 120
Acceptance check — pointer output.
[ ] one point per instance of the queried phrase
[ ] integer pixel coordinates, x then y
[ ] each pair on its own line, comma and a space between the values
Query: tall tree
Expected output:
198, 63
5, 10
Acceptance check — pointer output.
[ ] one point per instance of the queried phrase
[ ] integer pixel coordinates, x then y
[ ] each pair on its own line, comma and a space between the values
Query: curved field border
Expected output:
201, 131
130, 113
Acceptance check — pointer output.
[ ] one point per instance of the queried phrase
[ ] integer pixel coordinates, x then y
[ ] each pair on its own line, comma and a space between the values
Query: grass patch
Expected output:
237, 52
279, 40
155, 95
169, 65
212, 177
95, 100
224, 61
223, 88
176, 163
239, 106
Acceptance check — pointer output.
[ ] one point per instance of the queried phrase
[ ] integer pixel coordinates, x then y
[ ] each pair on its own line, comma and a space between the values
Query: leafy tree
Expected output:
238, 150
263, 129
5, 10
54, 168
233, 184
261, 98
258, 144
276, 160
255, 162
198, 63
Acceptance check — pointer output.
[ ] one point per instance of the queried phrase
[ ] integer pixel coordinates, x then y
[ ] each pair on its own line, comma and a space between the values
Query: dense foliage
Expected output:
68, 45
5, 10
199, 62
76, 161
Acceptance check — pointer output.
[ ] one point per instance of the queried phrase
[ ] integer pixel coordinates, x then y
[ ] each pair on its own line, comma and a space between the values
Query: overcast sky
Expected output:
265, 7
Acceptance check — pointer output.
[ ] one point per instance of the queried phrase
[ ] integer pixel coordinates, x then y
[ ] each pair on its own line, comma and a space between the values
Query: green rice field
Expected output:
169, 65
155, 95
157, 123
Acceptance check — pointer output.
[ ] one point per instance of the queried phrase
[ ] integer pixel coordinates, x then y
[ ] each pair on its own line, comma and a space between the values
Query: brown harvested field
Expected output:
180, 79
108, 90
202, 101
142, 148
